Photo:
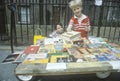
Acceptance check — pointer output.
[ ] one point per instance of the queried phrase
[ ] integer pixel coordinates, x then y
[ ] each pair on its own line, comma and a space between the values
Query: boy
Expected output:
58, 31
79, 22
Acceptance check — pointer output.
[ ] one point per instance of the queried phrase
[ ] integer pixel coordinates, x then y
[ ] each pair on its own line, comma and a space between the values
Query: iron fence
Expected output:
24, 16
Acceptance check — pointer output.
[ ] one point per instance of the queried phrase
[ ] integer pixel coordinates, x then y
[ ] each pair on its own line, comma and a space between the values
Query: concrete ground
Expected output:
6, 69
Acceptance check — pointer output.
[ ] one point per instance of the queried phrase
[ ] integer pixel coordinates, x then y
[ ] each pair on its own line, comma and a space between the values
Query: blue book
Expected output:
101, 58
111, 56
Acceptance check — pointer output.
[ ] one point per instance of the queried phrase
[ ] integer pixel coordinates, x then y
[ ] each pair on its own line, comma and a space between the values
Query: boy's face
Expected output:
77, 11
59, 29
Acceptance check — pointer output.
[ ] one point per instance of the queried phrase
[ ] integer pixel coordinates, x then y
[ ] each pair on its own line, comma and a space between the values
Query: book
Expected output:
71, 36
50, 48
56, 66
83, 51
67, 43
90, 58
99, 40
36, 58
59, 57
71, 51
21, 58
111, 57
32, 49
10, 58
118, 56
101, 58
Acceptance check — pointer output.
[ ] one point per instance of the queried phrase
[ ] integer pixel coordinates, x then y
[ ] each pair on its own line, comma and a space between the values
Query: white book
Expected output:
56, 66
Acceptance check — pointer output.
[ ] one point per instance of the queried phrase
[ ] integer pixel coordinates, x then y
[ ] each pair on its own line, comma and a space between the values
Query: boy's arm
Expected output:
69, 28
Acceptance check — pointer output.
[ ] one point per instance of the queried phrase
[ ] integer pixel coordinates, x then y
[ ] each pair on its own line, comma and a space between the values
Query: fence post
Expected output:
12, 8
100, 20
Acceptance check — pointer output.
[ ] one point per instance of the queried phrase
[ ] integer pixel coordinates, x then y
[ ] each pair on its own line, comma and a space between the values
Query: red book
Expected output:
31, 49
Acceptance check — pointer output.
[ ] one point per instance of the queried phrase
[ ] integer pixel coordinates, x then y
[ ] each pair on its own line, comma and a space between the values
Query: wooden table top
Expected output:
70, 68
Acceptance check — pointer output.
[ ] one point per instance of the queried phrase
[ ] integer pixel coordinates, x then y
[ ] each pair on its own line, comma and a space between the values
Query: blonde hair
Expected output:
75, 3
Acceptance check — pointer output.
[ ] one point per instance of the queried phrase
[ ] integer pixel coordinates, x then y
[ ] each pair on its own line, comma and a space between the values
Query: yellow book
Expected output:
33, 61
67, 44
50, 48
37, 39
36, 58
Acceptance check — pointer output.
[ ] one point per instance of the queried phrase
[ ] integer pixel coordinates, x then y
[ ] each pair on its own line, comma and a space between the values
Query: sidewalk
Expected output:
8, 48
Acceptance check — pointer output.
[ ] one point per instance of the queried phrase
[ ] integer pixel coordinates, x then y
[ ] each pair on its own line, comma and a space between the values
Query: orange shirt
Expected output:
80, 24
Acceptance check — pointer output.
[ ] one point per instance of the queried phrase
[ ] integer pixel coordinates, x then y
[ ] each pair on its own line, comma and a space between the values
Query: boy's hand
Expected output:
69, 28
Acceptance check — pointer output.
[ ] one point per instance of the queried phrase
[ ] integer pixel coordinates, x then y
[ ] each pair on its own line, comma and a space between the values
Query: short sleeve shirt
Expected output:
80, 24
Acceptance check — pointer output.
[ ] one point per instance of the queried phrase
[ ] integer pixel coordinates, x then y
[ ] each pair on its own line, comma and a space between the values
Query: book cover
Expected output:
10, 58
90, 58
36, 58
111, 57
31, 49
101, 58
59, 57
118, 56
21, 58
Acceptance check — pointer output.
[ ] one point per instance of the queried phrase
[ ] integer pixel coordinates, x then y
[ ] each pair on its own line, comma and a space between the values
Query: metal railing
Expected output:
28, 15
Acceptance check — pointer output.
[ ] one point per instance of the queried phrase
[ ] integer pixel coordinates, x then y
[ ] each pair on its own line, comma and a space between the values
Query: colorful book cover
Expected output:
71, 51
59, 57
118, 56
38, 39
111, 57
101, 58
10, 58
32, 49
94, 40
21, 58
90, 58
36, 58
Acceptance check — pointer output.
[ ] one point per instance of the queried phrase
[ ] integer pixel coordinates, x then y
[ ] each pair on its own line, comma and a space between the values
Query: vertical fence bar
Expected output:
33, 16
52, 14
26, 21
115, 23
106, 6
45, 23
19, 20
40, 7
111, 22
11, 27
100, 20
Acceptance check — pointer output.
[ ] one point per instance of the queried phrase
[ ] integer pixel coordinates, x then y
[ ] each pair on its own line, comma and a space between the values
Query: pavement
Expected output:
15, 48
6, 69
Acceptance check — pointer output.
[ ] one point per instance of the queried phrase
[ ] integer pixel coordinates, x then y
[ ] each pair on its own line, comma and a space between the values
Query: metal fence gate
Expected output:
22, 17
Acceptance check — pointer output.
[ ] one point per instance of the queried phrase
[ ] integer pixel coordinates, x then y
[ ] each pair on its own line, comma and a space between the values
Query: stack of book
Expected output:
71, 36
